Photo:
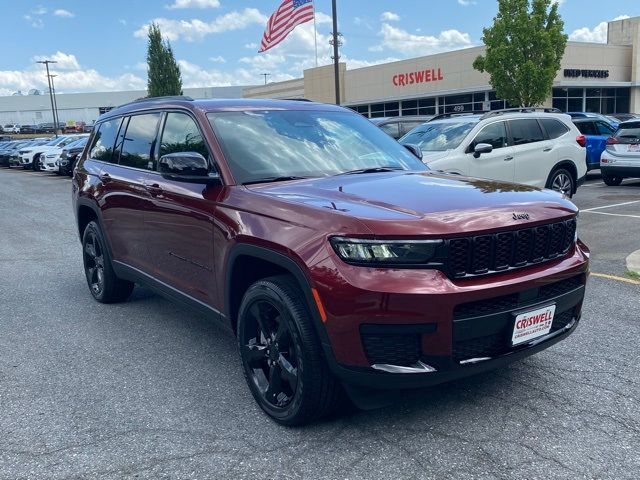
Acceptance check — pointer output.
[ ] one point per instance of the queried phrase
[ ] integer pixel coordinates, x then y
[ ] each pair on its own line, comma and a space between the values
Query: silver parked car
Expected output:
621, 159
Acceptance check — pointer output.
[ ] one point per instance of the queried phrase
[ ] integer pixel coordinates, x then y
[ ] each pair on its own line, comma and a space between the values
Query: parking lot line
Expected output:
615, 277
610, 206
613, 214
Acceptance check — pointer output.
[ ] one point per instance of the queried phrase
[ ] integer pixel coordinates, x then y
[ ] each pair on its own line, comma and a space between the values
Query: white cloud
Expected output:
34, 22
466, 3
39, 10
122, 22
389, 17
61, 12
63, 61
194, 4
410, 44
559, 2
218, 59
597, 34
195, 29
70, 77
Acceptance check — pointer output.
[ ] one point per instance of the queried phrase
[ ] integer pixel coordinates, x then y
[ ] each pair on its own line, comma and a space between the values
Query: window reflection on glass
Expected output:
138, 142
181, 134
104, 139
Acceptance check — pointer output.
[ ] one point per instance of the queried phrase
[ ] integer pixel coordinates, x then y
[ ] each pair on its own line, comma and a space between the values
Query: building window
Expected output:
597, 100
362, 109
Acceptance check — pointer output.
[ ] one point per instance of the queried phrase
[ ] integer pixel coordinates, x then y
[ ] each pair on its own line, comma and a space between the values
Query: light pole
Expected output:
336, 42
56, 120
265, 75
53, 110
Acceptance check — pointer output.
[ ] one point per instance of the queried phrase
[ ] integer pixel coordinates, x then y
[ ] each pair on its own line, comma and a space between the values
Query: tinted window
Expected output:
494, 134
104, 139
604, 128
526, 131
408, 126
629, 131
181, 134
391, 129
554, 128
304, 143
587, 128
139, 142
438, 137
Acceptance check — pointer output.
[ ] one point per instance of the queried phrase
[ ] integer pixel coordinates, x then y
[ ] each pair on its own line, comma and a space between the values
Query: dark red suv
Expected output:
342, 264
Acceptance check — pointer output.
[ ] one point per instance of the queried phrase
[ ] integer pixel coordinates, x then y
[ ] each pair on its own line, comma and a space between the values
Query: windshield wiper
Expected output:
389, 168
282, 178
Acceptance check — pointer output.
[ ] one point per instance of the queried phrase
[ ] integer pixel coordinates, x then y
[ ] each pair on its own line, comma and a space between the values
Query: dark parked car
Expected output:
29, 129
397, 127
69, 156
623, 117
340, 261
7, 149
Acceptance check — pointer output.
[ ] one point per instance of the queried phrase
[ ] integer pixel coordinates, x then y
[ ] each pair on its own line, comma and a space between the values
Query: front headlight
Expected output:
386, 252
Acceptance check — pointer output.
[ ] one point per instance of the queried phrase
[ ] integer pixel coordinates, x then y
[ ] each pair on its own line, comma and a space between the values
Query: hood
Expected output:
436, 155
424, 203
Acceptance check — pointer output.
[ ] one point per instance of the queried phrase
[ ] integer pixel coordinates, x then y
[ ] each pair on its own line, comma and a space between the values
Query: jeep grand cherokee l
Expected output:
339, 260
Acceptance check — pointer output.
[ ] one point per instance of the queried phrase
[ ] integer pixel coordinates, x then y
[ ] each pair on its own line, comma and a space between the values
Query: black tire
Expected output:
281, 354
35, 164
562, 180
611, 180
103, 283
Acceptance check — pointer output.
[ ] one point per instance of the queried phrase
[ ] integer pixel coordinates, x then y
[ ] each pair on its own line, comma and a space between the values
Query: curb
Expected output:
633, 262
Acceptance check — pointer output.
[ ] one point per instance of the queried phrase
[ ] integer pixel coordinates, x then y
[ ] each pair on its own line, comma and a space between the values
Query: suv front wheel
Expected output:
561, 180
281, 354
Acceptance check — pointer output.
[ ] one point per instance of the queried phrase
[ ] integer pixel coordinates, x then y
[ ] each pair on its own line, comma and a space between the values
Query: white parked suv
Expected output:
529, 146
11, 128
30, 157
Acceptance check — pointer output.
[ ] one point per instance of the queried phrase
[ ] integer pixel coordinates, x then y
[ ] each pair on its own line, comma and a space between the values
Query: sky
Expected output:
100, 45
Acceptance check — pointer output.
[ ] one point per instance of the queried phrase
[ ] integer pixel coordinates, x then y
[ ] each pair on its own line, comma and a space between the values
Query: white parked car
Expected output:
30, 157
11, 128
621, 159
49, 161
528, 146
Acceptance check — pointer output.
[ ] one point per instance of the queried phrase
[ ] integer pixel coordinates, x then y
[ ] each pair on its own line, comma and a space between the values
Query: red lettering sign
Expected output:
419, 76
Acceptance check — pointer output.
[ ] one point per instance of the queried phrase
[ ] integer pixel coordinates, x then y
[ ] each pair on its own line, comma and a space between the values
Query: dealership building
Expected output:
594, 77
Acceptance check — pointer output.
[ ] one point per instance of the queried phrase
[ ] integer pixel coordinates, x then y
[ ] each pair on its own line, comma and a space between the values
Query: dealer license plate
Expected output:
532, 324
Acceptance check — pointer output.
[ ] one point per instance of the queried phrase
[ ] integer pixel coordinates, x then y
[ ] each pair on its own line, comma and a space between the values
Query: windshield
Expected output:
77, 143
438, 137
275, 143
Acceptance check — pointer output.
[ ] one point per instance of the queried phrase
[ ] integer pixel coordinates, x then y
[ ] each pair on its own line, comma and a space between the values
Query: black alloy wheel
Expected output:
269, 353
281, 355
93, 256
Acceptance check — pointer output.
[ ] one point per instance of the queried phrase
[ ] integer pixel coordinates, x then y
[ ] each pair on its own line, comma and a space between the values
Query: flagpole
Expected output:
315, 33
336, 58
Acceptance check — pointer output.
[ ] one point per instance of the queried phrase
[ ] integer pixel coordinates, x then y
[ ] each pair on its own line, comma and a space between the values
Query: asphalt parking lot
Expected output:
146, 389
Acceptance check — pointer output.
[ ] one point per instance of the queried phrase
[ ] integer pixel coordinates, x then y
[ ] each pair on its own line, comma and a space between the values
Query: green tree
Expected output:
525, 46
162, 68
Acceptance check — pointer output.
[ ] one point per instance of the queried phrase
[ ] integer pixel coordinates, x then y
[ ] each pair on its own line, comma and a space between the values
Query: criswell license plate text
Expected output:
533, 324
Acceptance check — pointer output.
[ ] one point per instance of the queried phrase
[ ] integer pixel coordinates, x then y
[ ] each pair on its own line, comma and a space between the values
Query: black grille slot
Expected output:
562, 320
508, 250
510, 302
391, 349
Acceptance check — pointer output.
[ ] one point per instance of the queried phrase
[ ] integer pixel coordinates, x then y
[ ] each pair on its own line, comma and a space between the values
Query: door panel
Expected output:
534, 155
498, 164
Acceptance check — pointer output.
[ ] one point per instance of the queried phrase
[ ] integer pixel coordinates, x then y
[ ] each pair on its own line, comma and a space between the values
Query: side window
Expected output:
587, 128
408, 126
391, 129
554, 128
138, 143
494, 134
181, 134
526, 131
104, 139
604, 129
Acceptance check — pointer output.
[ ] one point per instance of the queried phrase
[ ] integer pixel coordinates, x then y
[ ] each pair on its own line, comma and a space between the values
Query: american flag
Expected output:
289, 15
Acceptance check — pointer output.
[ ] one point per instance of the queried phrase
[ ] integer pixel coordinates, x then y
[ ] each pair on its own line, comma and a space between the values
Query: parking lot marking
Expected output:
615, 214
610, 206
615, 277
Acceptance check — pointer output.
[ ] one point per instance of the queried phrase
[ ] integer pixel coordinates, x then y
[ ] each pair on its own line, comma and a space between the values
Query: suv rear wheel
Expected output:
281, 354
561, 180
103, 283
611, 180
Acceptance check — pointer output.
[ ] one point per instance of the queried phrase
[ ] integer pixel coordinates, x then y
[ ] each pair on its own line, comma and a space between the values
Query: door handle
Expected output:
104, 177
154, 189
508, 159
548, 149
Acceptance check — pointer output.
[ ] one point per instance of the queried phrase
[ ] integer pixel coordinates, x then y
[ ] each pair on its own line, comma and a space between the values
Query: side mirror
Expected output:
414, 149
482, 148
188, 167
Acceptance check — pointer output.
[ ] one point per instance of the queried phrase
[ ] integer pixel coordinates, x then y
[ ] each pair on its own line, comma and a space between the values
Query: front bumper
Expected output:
435, 329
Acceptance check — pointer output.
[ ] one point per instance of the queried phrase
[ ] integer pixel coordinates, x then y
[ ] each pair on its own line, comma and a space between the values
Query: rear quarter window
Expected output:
554, 128
525, 131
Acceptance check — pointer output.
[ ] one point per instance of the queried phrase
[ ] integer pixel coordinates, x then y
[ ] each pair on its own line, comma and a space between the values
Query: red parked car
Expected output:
341, 262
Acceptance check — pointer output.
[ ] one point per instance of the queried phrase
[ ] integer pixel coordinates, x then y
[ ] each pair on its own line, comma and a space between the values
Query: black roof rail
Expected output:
502, 111
457, 114
158, 99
